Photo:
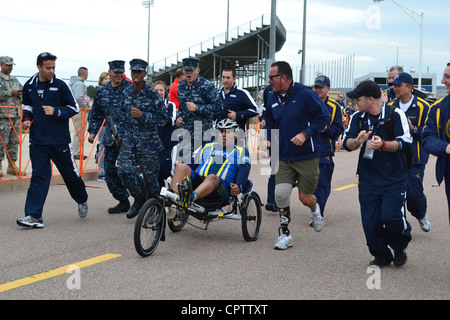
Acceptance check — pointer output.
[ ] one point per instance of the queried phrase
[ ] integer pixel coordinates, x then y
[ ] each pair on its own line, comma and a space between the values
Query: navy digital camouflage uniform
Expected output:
106, 105
205, 95
140, 140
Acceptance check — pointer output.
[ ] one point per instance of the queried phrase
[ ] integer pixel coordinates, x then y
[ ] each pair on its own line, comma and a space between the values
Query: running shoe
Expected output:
283, 242
83, 209
30, 222
425, 224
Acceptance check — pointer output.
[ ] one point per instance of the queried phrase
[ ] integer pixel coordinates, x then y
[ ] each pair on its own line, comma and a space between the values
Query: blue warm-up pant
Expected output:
383, 219
62, 157
416, 201
323, 190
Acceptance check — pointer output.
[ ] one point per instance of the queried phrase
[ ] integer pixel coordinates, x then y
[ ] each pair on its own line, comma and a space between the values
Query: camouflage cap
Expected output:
190, 64
117, 66
7, 60
138, 64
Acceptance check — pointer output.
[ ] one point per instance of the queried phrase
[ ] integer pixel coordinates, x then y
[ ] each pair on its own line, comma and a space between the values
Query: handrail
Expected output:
210, 43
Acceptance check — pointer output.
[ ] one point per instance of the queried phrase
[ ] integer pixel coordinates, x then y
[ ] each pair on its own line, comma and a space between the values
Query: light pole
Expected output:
148, 4
302, 71
411, 14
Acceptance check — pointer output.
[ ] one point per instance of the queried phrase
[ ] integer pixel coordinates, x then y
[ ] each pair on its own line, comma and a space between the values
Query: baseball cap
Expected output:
366, 88
322, 81
402, 77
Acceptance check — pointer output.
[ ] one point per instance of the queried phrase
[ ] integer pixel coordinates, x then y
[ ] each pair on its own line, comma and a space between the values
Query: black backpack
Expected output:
408, 152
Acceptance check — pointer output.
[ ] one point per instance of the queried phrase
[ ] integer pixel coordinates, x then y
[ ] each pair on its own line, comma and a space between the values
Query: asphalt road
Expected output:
218, 263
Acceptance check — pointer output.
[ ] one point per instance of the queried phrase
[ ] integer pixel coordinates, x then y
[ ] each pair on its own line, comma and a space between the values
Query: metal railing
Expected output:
210, 43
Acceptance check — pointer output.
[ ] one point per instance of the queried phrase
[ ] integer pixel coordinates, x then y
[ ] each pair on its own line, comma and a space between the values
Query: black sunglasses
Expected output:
275, 76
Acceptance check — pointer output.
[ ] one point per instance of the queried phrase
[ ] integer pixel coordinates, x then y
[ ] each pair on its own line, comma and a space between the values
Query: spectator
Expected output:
104, 78
173, 94
165, 134
48, 105
388, 94
10, 95
80, 93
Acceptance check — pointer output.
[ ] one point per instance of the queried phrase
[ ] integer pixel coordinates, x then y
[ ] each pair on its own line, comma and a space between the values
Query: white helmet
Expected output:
227, 124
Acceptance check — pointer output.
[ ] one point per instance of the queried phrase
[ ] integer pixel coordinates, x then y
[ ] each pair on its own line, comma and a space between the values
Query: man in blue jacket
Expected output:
328, 139
436, 133
416, 110
299, 115
48, 104
382, 173
238, 104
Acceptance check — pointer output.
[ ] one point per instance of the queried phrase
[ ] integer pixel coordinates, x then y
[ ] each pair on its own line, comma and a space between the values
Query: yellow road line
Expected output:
55, 272
346, 187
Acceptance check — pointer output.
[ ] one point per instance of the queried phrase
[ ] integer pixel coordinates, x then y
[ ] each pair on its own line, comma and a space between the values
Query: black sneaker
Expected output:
379, 263
400, 258
122, 206
137, 205
185, 192
271, 207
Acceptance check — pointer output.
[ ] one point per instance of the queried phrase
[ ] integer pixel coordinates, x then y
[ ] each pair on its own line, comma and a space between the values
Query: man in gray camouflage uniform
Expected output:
10, 95
106, 107
143, 111
199, 104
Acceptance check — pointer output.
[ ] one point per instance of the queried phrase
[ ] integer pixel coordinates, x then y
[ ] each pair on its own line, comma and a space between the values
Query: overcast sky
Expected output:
91, 33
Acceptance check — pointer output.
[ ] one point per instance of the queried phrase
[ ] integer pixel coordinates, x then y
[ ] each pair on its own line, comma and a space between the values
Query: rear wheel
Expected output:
251, 217
149, 227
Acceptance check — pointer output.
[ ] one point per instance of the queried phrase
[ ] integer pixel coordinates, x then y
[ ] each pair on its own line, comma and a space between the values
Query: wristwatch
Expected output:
415, 130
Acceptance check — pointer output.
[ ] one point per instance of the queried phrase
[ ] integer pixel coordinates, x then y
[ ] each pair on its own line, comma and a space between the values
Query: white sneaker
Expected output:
283, 242
83, 209
317, 220
30, 222
425, 225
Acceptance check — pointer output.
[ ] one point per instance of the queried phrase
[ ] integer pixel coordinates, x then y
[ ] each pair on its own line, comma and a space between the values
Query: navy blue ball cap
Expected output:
402, 77
322, 81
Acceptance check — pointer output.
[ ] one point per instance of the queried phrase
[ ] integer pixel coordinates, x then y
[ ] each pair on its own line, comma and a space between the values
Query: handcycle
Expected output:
150, 227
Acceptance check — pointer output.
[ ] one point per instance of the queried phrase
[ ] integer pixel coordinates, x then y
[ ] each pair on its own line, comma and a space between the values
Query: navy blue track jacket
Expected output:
300, 110
45, 129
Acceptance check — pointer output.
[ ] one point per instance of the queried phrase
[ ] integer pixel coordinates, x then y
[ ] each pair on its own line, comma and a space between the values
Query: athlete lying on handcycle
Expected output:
220, 169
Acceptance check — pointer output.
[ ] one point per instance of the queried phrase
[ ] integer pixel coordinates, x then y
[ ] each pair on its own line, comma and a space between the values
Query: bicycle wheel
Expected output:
177, 223
149, 227
251, 217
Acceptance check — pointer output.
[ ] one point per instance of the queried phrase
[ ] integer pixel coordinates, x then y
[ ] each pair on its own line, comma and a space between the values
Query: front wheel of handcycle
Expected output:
251, 217
149, 227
